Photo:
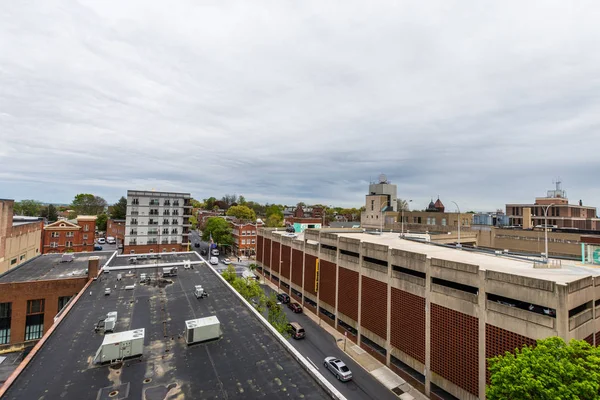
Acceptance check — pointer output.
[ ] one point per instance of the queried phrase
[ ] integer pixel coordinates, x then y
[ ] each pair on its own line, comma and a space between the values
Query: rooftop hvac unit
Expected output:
112, 314
202, 329
109, 324
120, 345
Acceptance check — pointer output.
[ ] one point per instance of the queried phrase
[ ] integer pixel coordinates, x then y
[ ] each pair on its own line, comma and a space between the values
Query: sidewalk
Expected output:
378, 370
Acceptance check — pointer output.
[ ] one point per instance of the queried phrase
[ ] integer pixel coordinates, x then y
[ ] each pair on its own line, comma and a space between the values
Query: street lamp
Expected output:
546, 230
408, 205
459, 222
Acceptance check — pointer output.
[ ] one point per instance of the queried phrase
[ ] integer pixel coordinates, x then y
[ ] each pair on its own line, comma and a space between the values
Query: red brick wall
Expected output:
309, 273
115, 229
267, 253
348, 293
597, 338
286, 258
297, 259
259, 249
454, 347
18, 294
590, 339
373, 310
327, 282
498, 341
408, 324
325, 318
276, 258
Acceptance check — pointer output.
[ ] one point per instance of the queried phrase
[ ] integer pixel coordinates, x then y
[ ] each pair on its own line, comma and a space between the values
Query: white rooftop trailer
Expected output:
120, 345
202, 329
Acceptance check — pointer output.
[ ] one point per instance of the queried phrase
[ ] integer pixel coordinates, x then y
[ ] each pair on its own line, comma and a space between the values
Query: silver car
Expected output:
338, 368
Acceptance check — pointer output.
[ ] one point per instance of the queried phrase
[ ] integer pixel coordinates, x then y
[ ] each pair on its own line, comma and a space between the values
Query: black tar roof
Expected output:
49, 266
246, 363
164, 258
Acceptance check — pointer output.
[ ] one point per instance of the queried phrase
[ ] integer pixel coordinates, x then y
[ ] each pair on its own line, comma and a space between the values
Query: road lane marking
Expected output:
313, 364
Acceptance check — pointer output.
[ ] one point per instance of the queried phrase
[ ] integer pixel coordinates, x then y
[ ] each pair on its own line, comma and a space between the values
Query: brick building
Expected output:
20, 237
244, 237
32, 294
70, 236
556, 209
431, 314
116, 229
157, 222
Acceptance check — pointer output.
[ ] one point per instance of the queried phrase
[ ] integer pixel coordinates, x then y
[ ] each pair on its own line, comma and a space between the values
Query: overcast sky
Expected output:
479, 102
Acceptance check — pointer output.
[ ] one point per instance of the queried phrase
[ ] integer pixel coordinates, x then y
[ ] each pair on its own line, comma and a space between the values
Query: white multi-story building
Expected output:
157, 221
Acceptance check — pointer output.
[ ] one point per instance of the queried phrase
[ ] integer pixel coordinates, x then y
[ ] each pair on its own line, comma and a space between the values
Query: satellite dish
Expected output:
382, 178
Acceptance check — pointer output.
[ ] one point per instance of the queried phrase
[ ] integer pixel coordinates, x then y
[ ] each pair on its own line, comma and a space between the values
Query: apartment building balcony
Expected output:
164, 241
152, 241
132, 242
174, 241
154, 202
133, 213
152, 233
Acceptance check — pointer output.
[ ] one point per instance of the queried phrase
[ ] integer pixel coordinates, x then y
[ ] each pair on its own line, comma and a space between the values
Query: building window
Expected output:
13, 261
243, 241
5, 316
62, 302
428, 221
34, 322
253, 241
131, 251
174, 222
84, 237
69, 244
55, 234
443, 221
372, 205
70, 234
54, 245
433, 222
253, 233
86, 228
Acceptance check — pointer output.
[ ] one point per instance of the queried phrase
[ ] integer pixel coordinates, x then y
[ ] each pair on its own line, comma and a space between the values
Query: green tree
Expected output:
241, 200
274, 221
52, 213
552, 369
88, 204
196, 203
30, 208
259, 209
101, 222
276, 316
229, 200
194, 222
209, 203
242, 212
119, 209
220, 230
273, 209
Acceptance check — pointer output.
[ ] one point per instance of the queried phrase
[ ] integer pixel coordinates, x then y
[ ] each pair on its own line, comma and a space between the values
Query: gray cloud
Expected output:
480, 103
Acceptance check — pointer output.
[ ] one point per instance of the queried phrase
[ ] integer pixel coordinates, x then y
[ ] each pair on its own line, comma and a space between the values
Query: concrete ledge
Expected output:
580, 318
528, 316
459, 294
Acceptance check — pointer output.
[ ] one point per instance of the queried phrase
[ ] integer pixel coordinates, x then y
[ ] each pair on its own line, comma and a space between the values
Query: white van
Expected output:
214, 260
101, 241
214, 252
111, 240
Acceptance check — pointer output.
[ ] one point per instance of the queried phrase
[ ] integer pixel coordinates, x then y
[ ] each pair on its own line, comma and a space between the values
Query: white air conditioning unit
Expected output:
202, 329
121, 345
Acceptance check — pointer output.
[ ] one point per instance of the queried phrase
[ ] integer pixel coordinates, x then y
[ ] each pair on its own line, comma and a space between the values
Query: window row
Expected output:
67, 234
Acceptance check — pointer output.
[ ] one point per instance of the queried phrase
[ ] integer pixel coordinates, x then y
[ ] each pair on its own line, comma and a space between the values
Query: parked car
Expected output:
214, 252
338, 368
101, 241
226, 261
107, 291
197, 244
295, 307
214, 260
284, 298
297, 330
111, 240
203, 252
97, 247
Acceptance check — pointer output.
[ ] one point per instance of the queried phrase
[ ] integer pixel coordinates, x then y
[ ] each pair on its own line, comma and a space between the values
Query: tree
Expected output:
259, 209
274, 221
552, 369
196, 204
52, 213
119, 209
242, 212
194, 222
273, 209
88, 204
276, 316
402, 205
241, 200
101, 222
30, 208
209, 203
229, 199
220, 230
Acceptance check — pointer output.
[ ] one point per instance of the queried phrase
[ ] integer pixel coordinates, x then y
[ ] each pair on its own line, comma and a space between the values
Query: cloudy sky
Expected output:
479, 102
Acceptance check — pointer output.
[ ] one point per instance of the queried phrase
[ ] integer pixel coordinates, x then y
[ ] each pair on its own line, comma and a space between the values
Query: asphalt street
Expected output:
319, 344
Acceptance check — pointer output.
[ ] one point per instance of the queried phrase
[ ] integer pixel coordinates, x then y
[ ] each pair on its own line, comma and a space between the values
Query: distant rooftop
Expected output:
50, 266
247, 362
151, 193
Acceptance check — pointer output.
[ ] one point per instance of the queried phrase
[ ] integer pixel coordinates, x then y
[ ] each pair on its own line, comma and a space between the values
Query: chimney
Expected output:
93, 267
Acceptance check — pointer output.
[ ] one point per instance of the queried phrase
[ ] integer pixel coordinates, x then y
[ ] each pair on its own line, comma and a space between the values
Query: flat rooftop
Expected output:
50, 266
569, 272
247, 362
